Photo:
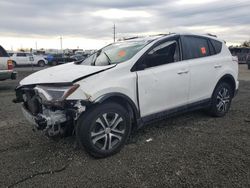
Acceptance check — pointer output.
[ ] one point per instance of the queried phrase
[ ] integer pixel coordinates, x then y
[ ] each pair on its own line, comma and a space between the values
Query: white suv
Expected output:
128, 84
23, 58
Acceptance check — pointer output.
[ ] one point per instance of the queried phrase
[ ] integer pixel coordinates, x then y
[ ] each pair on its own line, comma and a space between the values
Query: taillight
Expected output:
10, 65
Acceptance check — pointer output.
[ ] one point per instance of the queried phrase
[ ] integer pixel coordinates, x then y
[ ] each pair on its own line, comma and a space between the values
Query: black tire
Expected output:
41, 63
221, 99
249, 65
97, 127
54, 63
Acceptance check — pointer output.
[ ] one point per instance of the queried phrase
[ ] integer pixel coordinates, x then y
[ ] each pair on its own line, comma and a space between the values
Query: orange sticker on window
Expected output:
122, 53
203, 50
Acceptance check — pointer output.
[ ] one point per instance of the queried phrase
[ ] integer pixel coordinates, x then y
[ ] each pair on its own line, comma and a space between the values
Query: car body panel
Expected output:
157, 91
61, 74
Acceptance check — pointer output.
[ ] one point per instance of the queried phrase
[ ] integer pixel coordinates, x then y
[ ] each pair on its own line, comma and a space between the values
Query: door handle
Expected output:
217, 66
183, 72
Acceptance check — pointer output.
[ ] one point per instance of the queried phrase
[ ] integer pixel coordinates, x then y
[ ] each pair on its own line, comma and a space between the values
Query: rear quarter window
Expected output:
217, 45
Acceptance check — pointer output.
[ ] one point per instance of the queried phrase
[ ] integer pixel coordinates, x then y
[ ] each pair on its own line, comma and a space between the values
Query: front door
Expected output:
164, 83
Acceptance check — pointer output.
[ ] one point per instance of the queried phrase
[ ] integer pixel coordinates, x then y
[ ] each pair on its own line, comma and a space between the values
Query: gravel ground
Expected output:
191, 150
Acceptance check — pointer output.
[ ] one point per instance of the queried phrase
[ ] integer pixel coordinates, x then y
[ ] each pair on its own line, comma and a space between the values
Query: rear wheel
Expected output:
248, 65
104, 129
54, 63
221, 100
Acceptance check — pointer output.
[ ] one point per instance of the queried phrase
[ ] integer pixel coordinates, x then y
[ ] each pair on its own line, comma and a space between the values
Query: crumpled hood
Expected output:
62, 74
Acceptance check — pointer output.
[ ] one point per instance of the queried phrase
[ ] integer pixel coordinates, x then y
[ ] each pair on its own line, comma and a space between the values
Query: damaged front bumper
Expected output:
54, 122
54, 117
49, 122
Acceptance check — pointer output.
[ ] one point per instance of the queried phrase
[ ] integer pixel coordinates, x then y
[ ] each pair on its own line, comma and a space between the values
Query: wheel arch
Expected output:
227, 78
123, 100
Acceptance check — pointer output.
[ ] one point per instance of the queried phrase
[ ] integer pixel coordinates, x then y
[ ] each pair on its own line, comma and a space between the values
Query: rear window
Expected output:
3, 53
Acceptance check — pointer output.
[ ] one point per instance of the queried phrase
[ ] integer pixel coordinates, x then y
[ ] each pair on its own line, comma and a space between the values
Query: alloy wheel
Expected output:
108, 131
223, 100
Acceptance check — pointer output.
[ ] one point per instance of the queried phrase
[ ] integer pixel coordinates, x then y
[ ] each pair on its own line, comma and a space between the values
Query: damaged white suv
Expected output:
128, 84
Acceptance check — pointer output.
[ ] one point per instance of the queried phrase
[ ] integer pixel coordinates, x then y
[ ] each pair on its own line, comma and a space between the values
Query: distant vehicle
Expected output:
60, 59
24, 58
79, 57
79, 52
241, 52
10, 53
248, 61
127, 84
6, 66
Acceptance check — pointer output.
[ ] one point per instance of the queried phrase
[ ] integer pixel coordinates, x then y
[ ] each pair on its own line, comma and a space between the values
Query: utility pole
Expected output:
61, 43
36, 45
114, 32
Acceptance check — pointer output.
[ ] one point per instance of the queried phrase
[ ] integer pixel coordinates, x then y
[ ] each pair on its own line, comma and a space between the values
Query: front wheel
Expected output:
221, 100
104, 129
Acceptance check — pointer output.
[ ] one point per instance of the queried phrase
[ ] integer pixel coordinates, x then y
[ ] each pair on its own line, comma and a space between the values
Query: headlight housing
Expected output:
55, 93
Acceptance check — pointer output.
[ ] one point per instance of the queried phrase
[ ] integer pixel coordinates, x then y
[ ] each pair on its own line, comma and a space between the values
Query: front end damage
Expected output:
46, 107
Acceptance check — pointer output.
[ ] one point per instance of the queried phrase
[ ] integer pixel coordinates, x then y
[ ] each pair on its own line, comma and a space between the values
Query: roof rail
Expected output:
136, 37
209, 34
129, 38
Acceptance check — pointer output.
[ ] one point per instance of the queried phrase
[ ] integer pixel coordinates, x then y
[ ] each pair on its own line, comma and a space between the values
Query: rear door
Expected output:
197, 52
163, 84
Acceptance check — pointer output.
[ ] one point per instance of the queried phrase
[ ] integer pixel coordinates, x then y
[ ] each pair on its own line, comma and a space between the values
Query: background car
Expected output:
248, 61
57, 59
24, 58
79, 57
6, 66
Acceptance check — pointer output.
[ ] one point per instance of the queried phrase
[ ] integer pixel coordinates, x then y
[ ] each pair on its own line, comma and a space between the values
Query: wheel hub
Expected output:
107, 130
223, 99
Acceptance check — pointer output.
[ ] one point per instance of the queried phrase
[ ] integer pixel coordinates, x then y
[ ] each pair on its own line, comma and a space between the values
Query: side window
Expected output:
217, 45
167, 52
195, 47
21, 55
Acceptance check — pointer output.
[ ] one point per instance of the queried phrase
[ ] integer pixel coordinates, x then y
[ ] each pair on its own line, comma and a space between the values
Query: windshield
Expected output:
115, 53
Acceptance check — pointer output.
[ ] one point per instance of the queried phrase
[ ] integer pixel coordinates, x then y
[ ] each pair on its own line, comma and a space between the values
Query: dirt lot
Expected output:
191, 150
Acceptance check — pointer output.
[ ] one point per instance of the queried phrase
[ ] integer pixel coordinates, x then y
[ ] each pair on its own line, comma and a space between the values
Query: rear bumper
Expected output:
8, 74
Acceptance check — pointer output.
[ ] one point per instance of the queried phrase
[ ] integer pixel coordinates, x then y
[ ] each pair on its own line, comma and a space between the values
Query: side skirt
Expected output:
172, 112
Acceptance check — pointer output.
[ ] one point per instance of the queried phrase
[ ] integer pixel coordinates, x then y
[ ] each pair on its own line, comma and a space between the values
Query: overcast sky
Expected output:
88, 23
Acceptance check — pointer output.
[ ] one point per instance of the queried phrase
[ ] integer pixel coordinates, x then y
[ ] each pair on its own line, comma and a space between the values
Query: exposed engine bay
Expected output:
47, 109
